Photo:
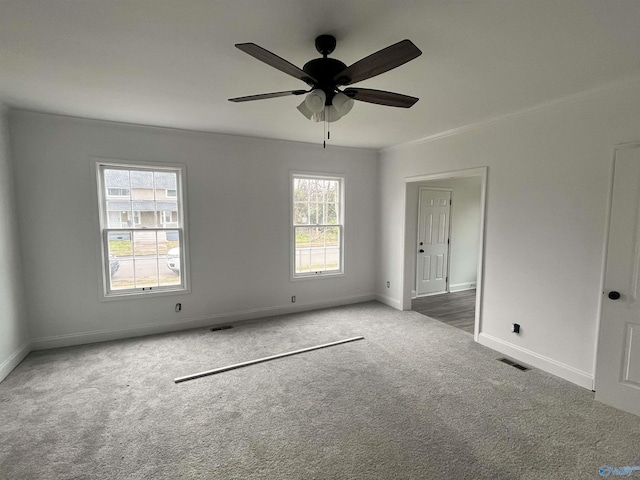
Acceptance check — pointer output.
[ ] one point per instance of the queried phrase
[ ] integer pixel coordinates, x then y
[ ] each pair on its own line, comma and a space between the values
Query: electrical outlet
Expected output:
293, 299
515, 328
388, 284
178, 307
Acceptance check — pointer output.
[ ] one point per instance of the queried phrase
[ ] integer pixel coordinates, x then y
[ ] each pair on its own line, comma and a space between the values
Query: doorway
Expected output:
466, 230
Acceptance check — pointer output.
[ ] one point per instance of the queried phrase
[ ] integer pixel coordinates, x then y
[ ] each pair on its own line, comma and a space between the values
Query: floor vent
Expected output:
514, 364
222, 327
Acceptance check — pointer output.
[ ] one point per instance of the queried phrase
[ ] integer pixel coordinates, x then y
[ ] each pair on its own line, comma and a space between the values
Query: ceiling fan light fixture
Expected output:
330, 114
342, 103
302, 108
315, 100
333, 114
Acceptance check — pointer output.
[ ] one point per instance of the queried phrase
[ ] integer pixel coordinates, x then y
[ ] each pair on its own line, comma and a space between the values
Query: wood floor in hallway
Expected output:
457, 309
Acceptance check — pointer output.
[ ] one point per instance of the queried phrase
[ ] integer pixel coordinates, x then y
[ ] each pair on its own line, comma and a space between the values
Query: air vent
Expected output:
222, 327
514, 364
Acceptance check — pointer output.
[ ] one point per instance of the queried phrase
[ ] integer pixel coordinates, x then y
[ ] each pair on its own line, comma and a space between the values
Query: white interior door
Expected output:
433, 241
618, 361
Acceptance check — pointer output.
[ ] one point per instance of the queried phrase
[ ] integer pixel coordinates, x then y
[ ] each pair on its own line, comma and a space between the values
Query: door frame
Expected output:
409, 260
603, 267
436, 189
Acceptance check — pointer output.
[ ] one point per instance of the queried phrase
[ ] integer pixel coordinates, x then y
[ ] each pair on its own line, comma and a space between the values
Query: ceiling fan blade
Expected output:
380, 97
264, 96
379, 62
276, 62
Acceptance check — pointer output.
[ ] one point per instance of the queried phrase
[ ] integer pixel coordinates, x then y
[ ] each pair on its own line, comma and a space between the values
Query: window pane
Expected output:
302, 236
302, 250
170, 270
315, 190
332, 214
118, 205
121, 260
301, 213
332, 236
332, 191
146, 269
165, 192
333, 258
301, 189
313, 213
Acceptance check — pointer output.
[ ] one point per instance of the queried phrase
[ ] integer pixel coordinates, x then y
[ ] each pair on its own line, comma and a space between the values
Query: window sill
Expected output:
130, 295
318, 276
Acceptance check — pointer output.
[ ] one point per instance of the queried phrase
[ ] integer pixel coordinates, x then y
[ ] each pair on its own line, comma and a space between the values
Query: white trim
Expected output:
389, 301
431, 294
536, 360
196, 322
461, 287
14, 360
576, 97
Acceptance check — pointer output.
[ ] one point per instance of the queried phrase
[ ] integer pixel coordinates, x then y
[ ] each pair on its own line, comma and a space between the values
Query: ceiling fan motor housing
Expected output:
324, 70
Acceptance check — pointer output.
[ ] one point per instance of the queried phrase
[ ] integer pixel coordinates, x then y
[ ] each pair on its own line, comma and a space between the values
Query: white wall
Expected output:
14, 336
465, 230
547, 200
238, 199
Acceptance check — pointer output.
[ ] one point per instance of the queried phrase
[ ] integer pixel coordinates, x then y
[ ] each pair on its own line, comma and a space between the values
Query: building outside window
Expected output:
143, 231
317, 225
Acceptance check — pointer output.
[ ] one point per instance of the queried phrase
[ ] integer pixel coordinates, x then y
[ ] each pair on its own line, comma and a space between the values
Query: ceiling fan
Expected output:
325, 101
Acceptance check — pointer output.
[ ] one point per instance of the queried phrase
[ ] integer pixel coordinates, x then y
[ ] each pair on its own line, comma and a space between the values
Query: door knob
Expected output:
613, 295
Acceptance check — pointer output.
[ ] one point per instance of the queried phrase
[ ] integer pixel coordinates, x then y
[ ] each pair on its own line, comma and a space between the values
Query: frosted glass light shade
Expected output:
315, 101
329, 113
342, 103
302, 108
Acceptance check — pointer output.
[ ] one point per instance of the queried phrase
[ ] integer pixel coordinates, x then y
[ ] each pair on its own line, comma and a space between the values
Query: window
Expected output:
142, 252
118, 192
317, 217
171, 193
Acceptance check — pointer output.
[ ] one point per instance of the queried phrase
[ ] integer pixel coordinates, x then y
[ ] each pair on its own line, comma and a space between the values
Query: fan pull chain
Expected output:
324, 142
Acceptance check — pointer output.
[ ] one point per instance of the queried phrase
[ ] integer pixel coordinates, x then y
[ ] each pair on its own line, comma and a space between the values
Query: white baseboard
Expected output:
536, 360
461, 287
198, 322
387, 300
14, 360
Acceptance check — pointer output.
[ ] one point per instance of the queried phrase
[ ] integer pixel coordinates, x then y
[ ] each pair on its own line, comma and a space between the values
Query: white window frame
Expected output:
341, 226
182, 228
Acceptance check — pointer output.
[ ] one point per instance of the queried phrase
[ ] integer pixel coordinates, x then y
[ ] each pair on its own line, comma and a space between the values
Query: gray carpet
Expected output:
417, 399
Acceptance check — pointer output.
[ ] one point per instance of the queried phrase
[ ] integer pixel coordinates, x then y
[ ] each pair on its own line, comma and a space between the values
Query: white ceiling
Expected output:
173, 63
